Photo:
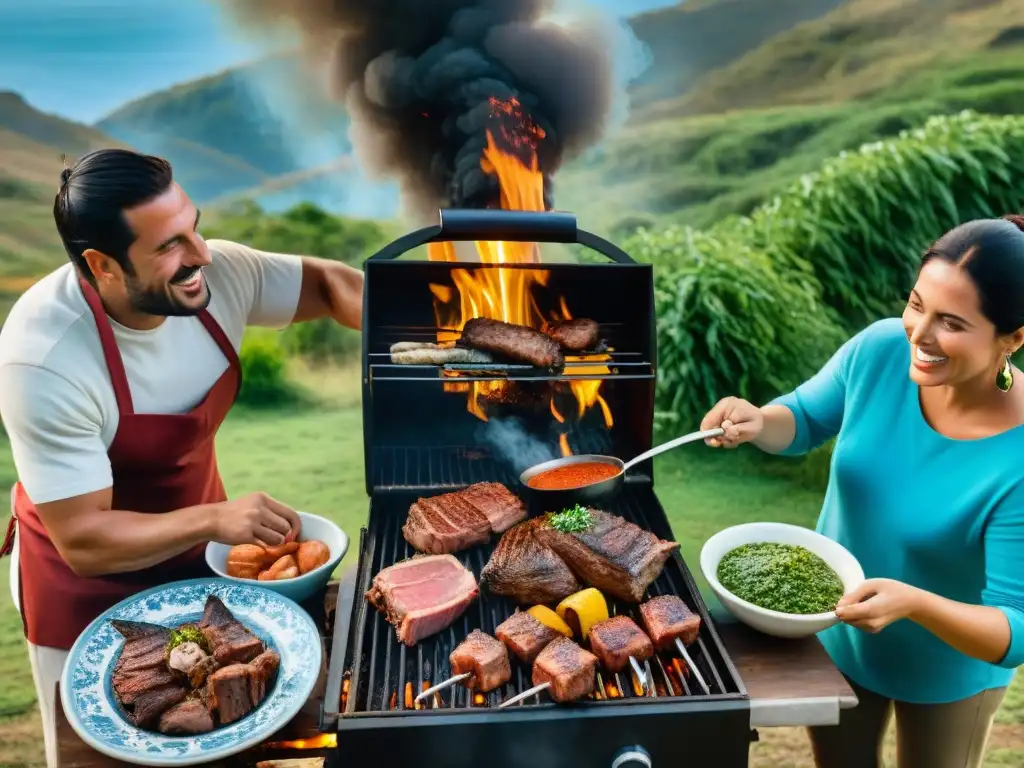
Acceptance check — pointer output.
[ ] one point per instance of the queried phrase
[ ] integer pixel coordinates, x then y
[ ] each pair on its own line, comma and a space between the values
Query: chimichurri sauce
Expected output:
781, 577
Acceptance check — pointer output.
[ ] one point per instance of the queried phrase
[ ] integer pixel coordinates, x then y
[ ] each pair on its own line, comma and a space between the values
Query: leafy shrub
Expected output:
728, 322
862, 222
264, 376
321, 340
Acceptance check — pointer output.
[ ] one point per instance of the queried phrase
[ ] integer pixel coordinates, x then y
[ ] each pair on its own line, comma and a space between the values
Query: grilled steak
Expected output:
237, 689
230, 641
577, 335
186, 719
142, 683
614, 555
500, 506
526, 570
571, 670
198, 674
666, 618
485, 658
614, 640
524, 635
455, 521
422, 595
515, 342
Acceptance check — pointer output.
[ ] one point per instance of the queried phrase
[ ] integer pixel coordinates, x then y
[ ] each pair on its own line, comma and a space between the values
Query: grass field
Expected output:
312, 459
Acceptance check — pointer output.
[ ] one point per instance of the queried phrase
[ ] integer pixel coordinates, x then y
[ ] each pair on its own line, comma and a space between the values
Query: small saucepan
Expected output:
596, 483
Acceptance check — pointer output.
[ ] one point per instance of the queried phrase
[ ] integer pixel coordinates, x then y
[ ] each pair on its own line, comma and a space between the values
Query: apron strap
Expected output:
111, 354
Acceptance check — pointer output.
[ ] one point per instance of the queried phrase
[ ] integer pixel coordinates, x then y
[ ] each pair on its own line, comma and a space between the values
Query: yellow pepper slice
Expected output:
550, 619
583, 610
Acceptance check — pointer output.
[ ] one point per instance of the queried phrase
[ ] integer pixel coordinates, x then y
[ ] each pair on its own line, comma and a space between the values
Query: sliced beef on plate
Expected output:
615, 639
578, 335
524, 635
188, 718
485, 658
237, 689
451, 522
571, 670
515, 342
613, 555
667, 617
141, 681
528, 571
230, 641
422, 595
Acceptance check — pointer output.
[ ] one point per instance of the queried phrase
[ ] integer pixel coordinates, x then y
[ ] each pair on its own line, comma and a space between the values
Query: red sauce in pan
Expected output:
573, 476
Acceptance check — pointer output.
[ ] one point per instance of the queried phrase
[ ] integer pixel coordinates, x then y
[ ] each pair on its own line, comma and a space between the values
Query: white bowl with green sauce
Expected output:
783, 580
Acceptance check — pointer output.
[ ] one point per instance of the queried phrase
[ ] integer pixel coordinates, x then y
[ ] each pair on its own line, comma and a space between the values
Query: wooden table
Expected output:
790, 683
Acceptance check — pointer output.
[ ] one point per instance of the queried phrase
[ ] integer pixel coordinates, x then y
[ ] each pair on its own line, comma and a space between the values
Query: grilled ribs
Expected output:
455, 521
614, 640
613, 555
422, 595
577, 335
666, 617
524, 635
515, 342
483, 657
571, 670
188, 718
526, 570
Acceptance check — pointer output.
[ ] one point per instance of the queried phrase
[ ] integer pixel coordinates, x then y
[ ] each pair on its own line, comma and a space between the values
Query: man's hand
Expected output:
255, 519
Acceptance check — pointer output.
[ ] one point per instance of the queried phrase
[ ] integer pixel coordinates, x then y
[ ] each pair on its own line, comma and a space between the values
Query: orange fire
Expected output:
507, 294
323, 741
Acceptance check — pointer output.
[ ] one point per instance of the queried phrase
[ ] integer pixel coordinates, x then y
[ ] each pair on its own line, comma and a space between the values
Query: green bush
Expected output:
862, 222
264, 376
321, 341
728, 322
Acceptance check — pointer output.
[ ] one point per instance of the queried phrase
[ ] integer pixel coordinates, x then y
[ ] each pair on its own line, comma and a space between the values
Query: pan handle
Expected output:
457, 225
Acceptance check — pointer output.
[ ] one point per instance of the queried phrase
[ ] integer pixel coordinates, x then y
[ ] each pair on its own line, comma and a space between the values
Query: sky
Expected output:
82, 59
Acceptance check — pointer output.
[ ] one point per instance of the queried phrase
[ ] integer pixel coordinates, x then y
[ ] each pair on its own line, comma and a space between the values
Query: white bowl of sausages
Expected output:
298, 570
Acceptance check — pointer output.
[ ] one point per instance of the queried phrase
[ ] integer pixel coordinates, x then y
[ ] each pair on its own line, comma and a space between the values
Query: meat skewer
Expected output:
619, 642
480, 660
670, 623
564, 669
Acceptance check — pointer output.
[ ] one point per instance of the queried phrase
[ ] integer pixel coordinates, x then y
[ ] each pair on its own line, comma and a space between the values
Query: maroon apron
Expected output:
160, 463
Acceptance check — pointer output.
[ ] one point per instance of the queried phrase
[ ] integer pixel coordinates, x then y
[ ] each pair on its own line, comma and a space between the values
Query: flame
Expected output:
507, 294
323, 741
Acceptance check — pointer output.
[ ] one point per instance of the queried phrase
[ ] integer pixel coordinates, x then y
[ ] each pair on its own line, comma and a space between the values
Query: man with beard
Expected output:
116, 371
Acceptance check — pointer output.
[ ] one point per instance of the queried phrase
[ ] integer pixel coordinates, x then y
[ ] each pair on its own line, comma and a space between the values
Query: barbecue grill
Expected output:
421, 440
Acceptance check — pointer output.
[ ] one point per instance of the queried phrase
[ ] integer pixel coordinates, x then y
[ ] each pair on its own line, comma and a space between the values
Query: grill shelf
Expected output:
378, 685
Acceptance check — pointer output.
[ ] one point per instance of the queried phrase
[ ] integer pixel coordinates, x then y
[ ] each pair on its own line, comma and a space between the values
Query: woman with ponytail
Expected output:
926, 489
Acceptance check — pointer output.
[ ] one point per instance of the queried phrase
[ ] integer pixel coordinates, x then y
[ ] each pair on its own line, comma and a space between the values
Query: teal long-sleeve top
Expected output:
944, 515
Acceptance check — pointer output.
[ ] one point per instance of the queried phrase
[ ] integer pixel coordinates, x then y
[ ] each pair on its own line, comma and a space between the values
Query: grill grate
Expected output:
389, 674
446, 467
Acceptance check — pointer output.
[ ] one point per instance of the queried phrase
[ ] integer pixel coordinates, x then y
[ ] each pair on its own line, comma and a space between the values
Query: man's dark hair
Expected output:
991, 252
94, 194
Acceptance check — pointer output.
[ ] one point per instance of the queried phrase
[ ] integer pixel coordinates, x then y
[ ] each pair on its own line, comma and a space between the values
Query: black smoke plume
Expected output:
423, 81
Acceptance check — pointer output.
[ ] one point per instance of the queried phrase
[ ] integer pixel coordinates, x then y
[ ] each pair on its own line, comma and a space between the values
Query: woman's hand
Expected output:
877, 603
742, 422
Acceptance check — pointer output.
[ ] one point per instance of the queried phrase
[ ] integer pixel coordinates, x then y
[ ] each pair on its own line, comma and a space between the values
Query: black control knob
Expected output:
632, 757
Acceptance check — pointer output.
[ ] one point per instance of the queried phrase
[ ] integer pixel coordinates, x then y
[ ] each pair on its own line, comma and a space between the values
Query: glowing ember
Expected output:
323, 741
507, 294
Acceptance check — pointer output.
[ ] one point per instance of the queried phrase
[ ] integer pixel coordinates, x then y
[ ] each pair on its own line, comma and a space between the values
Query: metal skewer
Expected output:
525, 695
691, 665
641, 675
443, 684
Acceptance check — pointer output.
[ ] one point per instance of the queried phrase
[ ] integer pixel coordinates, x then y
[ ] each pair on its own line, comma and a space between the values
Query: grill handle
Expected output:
458, 225
632, 757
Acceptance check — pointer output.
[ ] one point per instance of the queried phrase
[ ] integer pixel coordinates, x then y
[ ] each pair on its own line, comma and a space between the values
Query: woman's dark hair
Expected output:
991, 252
94, 194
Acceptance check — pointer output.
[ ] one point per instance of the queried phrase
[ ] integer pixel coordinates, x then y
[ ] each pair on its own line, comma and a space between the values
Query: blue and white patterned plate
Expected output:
281, 624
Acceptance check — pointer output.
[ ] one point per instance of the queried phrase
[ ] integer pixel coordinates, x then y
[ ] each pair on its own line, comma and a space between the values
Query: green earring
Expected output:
1004, 379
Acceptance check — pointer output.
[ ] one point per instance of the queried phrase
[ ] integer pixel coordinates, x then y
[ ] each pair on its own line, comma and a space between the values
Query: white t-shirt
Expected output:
56, 398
